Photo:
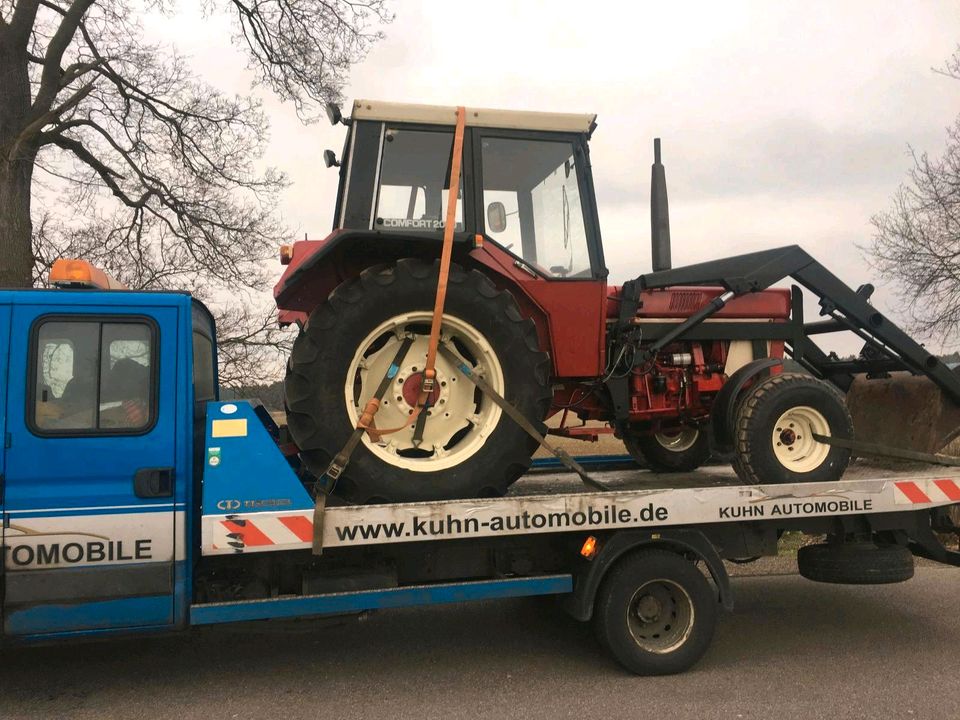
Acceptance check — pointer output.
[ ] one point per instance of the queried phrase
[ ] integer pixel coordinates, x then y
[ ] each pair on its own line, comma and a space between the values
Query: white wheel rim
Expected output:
461, 419
793, 442
679, 441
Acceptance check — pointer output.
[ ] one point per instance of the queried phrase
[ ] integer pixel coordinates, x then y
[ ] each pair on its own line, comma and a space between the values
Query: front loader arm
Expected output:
849, 310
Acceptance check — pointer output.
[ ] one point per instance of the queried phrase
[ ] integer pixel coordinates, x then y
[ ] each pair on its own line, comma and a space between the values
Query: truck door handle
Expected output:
153, 482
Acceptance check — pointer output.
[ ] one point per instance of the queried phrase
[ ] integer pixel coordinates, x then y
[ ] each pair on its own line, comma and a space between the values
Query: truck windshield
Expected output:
533, 187
414, 175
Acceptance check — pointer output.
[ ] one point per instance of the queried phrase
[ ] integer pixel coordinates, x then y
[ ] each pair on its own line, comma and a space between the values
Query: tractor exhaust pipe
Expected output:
659, 213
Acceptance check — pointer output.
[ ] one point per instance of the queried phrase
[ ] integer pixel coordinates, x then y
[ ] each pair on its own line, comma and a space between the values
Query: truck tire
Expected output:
470, 448
861, 563
680, 451
776, 421
655, 612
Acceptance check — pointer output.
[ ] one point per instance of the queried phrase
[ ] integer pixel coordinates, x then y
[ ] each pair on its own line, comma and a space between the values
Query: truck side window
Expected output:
93, 377
204, 384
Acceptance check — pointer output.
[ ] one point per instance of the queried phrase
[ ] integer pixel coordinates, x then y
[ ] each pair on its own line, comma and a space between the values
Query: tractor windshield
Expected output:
532, 197
414, 175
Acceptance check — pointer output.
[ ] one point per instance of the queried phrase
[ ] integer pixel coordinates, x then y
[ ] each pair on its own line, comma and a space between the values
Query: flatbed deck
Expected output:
545, 502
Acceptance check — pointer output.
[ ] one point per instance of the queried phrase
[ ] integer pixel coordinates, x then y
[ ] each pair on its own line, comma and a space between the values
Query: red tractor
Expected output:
679, 362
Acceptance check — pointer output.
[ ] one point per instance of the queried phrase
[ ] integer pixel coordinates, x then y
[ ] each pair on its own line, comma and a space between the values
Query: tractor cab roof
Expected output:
476, 117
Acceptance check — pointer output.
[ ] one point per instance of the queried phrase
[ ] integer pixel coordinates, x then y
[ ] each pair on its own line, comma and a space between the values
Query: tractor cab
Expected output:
525, 190
525, 184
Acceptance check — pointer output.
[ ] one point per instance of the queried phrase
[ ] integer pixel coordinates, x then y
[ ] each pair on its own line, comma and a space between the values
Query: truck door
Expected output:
91, 464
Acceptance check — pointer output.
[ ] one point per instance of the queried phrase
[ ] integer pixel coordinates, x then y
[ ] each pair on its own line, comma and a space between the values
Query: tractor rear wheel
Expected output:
467, 447
679, 450
776, 424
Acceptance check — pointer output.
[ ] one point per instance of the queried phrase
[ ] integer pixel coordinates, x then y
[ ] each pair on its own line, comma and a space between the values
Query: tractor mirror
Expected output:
330, 158
334, 115
496, 217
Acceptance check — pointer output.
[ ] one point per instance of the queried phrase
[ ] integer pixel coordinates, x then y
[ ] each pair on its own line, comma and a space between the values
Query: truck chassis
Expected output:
550, 535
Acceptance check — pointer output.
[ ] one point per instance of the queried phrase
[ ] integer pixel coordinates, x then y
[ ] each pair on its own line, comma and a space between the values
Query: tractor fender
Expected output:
579, 603
723, 414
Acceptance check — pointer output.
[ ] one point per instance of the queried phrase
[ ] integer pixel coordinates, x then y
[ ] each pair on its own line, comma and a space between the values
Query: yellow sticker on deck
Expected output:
229, 428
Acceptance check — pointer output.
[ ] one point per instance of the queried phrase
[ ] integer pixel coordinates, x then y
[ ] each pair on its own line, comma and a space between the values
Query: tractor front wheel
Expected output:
465, 446
777, 424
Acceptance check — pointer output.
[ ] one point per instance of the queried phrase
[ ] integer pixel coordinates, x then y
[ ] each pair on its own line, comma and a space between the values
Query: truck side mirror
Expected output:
496, 217
330, 159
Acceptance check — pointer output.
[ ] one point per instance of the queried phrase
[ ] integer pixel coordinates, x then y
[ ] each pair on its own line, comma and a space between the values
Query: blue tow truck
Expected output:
134, 500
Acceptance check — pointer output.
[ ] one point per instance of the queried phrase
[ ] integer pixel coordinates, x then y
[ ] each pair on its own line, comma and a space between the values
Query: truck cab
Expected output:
101, 391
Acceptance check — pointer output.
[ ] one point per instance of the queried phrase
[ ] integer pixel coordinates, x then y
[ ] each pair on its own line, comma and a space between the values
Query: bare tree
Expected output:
917, 241
121, 155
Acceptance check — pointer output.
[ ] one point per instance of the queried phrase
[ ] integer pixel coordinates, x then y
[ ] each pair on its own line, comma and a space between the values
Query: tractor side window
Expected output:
531, 194
93, 377
414, 174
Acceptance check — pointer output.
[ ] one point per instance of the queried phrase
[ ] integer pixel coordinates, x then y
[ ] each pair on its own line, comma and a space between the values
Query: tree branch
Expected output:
50, 78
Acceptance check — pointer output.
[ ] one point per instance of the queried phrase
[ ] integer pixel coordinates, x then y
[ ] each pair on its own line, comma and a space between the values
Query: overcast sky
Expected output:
782, 123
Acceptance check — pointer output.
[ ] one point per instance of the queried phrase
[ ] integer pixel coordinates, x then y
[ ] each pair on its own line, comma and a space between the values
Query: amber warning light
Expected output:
286, 254
81, 274
589, 548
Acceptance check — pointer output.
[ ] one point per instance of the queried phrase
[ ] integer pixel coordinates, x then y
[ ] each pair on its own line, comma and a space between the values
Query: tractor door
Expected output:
91, 464
538, 205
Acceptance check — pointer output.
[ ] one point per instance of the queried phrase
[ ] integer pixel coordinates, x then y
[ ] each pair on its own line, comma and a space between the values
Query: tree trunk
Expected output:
16, 164
16, 251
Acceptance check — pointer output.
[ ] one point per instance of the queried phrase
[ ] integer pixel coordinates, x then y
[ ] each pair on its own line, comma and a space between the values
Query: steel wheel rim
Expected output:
460, 421
680, 441
660, 616
793, 442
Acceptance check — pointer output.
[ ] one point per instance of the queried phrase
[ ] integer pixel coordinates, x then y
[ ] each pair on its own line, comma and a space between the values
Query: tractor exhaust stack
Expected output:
659, 213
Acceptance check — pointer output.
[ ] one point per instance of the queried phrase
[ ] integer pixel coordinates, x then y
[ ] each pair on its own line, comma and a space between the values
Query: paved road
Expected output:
792, 649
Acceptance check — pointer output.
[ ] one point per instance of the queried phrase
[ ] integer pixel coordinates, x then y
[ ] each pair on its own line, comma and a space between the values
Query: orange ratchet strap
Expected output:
429, 372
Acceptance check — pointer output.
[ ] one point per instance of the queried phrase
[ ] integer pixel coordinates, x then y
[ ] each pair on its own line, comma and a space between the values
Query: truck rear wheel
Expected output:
469, 447
680, 450
776, 423
655, 612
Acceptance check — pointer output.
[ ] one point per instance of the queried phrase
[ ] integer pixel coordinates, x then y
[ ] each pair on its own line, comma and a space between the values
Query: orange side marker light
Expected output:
589, 548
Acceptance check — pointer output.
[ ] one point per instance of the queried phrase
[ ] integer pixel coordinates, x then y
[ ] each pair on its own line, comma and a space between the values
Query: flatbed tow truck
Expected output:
142, 503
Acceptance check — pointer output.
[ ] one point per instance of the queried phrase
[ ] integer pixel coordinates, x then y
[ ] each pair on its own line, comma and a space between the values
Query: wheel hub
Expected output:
793, 439
412, 384
648, 608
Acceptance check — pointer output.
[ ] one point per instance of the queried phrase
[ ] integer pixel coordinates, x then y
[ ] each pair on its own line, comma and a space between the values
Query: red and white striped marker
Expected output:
917, 492
270, 530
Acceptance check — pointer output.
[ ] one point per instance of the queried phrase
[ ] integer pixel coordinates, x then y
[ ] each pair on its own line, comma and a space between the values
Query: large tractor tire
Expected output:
680, 450
469, 447
776, 422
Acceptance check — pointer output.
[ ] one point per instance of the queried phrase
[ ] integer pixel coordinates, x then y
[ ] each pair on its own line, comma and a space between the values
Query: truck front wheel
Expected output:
466, 447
